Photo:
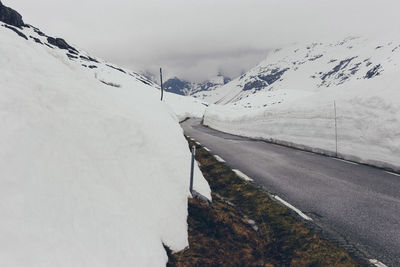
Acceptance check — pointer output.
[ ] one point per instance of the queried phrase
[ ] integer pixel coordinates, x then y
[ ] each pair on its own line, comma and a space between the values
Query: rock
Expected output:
10, 16
16, 31
71, 56
255, 84
37, 40
118, 69
92, 59
73, 52
375, 71
39, 32
60, 43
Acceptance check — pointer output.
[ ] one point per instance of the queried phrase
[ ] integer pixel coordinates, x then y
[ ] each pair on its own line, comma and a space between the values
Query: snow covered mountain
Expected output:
290, 98
311, 67
93, 166
197, 90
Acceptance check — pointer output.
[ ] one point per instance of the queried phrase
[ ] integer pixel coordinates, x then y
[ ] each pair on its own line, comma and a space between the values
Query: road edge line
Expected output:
392, 173
290, 206
377, 263
242, 175
346, 161
218, 158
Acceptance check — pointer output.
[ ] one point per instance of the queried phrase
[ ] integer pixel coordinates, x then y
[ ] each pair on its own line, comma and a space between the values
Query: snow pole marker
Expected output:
161, 83
336, 136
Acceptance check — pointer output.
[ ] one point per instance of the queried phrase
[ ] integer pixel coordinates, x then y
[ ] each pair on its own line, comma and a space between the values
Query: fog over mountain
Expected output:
196, 39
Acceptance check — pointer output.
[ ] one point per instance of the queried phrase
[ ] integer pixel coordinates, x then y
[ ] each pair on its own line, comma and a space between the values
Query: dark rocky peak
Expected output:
10, 16
60, 43
176, 86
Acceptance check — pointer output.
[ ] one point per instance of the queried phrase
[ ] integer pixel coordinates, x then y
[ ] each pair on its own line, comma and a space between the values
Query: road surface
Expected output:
357, 205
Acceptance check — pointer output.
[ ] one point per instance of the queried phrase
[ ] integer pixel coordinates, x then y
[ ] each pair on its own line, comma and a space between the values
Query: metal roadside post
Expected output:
192, 168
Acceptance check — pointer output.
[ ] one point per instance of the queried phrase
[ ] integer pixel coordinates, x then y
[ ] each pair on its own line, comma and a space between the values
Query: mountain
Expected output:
340, 98
311, 67
13, 21
93, 166
178, 86
198, 90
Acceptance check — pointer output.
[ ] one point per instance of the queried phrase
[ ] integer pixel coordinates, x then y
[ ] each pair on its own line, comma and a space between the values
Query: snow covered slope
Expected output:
93, 167
289, 98
185, 106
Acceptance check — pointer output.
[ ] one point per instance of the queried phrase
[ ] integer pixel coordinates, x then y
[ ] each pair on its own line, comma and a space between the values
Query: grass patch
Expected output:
244, 227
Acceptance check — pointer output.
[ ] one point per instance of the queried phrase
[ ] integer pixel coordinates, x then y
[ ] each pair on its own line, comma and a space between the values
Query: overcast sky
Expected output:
195, 39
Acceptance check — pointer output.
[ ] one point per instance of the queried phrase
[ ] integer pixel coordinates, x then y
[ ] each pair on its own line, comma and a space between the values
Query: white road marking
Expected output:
299, 212
208, 150
343, 160
252, 223
197, 143
219, 158
377, 263
392, 173
243, 176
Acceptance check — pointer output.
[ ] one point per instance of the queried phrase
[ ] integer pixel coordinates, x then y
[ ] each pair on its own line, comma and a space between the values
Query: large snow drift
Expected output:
185, 106
90, 174
297, 109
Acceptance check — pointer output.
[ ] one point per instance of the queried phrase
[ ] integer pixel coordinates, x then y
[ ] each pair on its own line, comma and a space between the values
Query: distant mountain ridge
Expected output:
183, 87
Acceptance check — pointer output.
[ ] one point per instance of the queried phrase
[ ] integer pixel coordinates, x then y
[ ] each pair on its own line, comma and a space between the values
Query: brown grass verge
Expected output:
244, 227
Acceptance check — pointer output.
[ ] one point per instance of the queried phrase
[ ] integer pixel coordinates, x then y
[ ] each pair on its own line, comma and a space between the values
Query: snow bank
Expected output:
368, 119
91, 174
185, 106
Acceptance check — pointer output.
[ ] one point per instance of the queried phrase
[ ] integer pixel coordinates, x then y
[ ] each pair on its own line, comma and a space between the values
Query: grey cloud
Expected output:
193, 38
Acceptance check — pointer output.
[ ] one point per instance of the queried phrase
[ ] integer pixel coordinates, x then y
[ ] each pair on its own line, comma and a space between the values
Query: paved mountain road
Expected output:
360, 204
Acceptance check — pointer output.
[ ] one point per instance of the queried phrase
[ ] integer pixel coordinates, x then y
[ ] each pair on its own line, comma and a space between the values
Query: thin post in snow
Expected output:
192, 168
161, 82
336, 135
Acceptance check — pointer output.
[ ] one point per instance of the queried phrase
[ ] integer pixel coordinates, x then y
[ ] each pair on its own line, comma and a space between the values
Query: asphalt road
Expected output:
357, 205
